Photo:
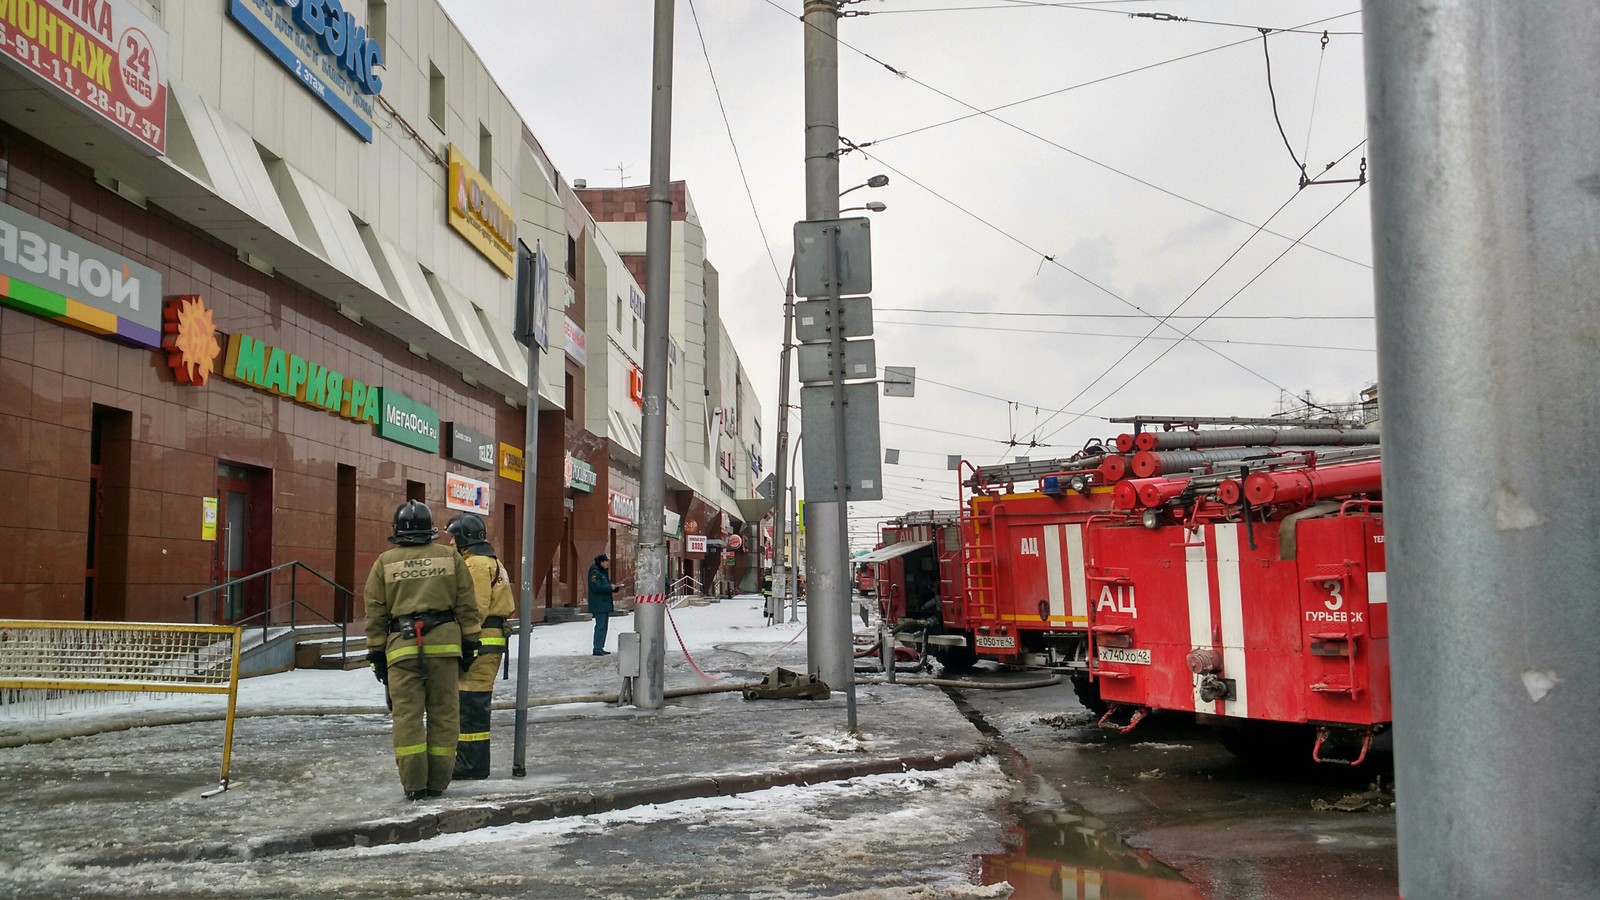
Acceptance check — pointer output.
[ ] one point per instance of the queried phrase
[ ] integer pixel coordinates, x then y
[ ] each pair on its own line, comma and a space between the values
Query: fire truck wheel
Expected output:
1269, 743
1089, 695
957, 659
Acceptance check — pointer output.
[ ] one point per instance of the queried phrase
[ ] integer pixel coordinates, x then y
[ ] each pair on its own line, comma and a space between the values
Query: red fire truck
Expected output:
1234, 572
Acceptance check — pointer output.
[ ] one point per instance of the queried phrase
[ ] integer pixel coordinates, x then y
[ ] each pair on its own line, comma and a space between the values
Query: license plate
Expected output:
1129, 655
997, 642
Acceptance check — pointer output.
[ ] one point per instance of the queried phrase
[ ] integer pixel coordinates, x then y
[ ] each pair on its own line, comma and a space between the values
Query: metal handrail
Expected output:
293, 605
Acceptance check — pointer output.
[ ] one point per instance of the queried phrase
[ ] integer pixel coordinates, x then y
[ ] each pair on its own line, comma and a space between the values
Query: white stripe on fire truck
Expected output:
1199, 583
1377, 587
1052, 570
1231, 595
1077, 581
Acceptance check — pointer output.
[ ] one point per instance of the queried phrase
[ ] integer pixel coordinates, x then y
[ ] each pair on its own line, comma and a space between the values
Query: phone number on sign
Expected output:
72, 80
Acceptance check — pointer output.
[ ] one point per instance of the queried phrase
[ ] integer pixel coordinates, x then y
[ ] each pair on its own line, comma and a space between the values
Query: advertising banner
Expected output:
107, 55
469, 447
577, 345
479, 214
467, 495
580, 475
51, 272
405, 421
623, 508
511, 462
326, 49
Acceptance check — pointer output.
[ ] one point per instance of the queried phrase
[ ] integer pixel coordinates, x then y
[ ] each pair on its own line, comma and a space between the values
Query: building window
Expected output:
436, 96
572, 397
485, 153
619, 312
572, 257
636, 334
378, 24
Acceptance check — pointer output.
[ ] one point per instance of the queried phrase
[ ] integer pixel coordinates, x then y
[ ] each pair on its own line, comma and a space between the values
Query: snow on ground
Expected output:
703, 630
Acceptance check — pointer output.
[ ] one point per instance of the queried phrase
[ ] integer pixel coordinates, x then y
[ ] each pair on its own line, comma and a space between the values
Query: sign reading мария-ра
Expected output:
320, 42
106, 54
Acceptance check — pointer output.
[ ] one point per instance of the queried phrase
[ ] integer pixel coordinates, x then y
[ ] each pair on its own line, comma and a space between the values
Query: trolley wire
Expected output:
1224, 304
1063, 266
1067, 315
978, 111
737, 160
1164, 320
1130, 337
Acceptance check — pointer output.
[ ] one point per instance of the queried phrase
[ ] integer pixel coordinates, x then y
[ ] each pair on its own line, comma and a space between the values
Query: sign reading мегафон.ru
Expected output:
408, 422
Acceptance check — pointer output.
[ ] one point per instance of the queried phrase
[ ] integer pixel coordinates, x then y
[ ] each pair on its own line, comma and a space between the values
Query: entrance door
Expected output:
244, 541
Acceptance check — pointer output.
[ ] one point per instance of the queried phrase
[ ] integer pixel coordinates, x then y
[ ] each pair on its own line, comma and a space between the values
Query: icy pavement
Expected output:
119, 812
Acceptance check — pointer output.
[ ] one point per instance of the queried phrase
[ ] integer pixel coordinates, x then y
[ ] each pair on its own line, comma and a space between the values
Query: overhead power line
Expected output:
1224, 304
1128, 337
1066, 315
737, 160
978, 111
878, 158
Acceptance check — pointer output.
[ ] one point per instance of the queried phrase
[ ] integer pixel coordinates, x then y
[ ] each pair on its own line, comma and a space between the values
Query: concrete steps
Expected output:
329, 652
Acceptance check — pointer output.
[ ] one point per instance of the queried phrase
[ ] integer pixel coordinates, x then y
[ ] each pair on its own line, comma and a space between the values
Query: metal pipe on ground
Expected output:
1249, 437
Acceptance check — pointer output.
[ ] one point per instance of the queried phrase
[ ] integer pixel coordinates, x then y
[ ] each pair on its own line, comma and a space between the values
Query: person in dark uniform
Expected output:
422, 630
492, 587
600, 605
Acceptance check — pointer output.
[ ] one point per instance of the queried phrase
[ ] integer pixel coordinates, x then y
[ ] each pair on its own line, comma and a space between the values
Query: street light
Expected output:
876, 181
871, 206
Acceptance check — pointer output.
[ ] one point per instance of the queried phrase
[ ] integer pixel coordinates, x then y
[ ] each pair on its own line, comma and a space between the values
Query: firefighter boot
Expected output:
472, 753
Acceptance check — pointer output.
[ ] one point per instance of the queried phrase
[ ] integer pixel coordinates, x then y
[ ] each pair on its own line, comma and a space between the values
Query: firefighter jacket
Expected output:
492, 585
430, 581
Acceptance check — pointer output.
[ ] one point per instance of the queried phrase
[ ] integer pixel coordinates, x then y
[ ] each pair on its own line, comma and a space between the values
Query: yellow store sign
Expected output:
511, 462
482, 216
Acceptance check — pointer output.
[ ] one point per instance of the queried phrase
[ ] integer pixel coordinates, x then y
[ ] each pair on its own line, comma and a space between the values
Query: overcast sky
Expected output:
988, 216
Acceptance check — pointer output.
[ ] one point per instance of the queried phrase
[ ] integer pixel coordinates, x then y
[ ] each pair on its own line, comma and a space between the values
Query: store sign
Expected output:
265, 367
481, 215
636, 301
577, 350
623, 508
735, 541
467, 495
470, 447
580, 475
511, 462
695, 543
755, 463
208, 518
636, 386
189, 335
51, 272
320, 42
408, 422
671, 524
105, 54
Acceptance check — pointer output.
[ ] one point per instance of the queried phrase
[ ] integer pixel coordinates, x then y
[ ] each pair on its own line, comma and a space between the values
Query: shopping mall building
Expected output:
256, 289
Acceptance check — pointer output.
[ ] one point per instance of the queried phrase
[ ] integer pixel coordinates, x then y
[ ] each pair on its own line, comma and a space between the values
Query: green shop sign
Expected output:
276, 371
268, 368
408, 422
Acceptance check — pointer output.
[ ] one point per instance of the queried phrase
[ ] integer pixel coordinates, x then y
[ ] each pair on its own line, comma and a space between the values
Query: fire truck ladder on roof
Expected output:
978, 557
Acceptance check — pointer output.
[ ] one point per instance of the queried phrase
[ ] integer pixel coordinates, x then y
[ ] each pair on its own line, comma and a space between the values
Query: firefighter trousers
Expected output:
427, 721
477, 689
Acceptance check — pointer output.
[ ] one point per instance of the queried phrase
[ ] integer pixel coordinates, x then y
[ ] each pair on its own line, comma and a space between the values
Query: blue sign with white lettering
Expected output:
320, 42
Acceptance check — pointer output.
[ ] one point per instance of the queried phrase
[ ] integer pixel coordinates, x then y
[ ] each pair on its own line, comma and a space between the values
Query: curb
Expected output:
470, 818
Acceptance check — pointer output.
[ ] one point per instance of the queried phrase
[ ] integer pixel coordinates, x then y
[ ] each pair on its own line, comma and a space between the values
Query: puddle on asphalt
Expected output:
1056, 853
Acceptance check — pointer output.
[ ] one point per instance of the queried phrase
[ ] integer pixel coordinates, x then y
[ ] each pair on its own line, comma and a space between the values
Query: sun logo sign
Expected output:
189, 335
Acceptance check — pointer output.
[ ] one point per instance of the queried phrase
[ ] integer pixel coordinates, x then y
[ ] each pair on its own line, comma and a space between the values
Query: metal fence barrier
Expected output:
46, 662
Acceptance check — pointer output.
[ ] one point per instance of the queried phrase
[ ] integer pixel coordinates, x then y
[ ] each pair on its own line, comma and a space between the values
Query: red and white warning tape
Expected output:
650, 598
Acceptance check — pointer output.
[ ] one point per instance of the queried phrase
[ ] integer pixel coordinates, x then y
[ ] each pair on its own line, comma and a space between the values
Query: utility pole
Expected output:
784, 565
650, 573
1485, 208
828, 632
528, 330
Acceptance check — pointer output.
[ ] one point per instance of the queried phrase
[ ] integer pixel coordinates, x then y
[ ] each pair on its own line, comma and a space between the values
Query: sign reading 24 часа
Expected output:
320, 42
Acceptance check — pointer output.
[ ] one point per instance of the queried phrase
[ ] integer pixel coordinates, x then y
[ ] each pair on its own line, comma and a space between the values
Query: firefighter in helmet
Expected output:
492, 587
422, 631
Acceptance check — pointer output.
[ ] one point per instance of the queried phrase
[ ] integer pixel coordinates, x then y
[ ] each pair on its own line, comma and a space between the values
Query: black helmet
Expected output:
413, 524
469, 534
